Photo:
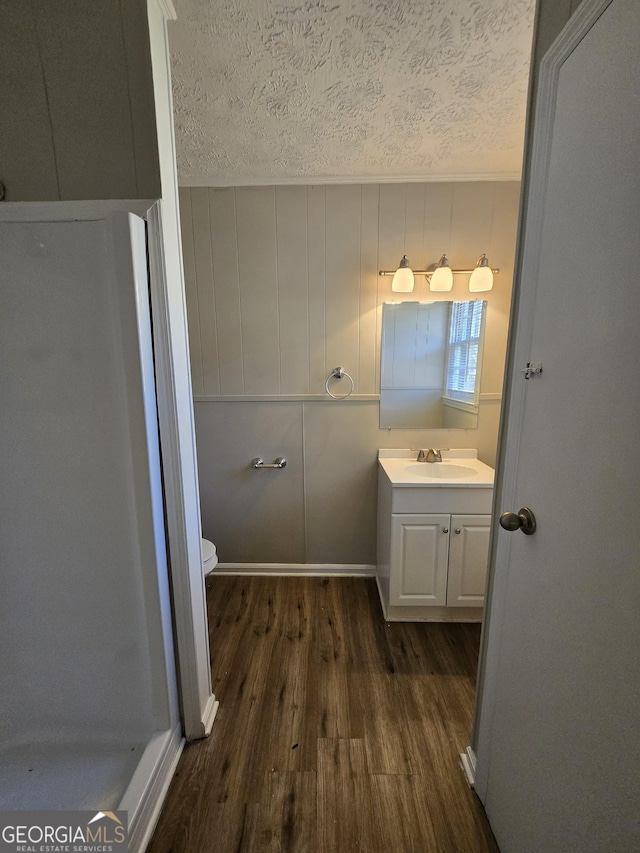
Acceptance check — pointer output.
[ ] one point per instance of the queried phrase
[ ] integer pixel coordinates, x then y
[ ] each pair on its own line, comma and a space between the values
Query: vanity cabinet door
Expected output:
468, 558
419, 555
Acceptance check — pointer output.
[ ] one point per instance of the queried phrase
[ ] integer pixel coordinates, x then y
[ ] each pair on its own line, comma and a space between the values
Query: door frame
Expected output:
518, 356
198, 705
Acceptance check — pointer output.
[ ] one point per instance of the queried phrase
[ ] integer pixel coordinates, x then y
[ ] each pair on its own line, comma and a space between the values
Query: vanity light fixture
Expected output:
403, 280
482, 276
441, 278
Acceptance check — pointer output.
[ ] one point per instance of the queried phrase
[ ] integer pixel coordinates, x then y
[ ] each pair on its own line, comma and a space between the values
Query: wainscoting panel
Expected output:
252, 516
341, 477
320, 509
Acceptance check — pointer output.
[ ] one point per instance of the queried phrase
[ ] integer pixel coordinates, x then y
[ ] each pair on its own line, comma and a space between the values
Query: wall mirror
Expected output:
431, 358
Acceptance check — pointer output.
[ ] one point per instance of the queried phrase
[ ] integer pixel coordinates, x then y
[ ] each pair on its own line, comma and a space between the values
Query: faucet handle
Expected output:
437, 453
429, 454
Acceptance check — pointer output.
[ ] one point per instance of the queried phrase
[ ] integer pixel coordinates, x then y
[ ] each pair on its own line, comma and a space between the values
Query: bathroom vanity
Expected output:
433, 536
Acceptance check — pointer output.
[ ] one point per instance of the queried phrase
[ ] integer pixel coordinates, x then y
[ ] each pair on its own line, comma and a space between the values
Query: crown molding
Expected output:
351, 179
168, 9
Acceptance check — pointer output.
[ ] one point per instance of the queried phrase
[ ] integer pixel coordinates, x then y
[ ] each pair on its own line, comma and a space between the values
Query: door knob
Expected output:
524, 520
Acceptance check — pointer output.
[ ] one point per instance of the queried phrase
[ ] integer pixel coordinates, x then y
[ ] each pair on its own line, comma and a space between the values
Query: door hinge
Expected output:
531, 370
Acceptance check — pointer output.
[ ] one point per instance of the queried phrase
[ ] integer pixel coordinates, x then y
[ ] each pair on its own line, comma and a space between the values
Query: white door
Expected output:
557, 728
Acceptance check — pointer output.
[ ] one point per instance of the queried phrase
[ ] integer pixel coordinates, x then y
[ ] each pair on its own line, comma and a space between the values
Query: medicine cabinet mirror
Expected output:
431, 358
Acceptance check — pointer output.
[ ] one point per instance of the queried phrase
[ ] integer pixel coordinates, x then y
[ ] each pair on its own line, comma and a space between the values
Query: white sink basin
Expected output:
440, 470
458, 469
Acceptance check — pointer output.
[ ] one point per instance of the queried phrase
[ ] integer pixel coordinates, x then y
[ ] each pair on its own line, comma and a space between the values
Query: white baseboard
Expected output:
210, 714
468, 762
294, 569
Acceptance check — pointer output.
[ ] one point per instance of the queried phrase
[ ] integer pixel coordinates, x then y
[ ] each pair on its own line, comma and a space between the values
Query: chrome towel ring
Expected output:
338, 373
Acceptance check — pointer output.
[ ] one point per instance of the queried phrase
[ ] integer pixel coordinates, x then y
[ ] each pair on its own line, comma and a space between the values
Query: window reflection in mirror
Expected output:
431, 356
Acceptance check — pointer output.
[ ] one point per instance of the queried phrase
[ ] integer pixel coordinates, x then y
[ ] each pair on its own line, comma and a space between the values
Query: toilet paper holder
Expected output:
280, 462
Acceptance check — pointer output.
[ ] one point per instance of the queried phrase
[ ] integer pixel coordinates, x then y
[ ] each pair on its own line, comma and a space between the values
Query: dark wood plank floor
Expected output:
336, 732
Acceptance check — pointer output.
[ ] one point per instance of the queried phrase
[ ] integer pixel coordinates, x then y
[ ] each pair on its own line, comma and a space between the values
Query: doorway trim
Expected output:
187, 584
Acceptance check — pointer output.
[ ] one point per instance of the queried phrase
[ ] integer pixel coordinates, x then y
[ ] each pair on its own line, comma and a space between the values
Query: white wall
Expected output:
283, 286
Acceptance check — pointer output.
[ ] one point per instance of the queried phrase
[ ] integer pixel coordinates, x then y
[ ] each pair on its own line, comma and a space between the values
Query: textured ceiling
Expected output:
270, 91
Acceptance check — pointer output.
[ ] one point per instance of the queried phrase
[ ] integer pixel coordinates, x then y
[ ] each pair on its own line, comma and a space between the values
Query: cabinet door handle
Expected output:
445, 529
457, 530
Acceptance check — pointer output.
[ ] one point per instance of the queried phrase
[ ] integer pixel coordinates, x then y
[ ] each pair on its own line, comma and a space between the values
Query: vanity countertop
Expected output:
459, 469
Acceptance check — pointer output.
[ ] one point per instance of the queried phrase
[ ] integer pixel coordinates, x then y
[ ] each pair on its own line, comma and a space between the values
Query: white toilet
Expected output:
209, 556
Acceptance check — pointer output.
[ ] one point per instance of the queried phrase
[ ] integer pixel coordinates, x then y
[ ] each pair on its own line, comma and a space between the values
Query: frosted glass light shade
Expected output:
403, 281
442, 278
482, 276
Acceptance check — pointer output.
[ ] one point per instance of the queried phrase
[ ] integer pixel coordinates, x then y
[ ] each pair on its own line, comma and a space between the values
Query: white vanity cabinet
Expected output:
433, 541
438, 560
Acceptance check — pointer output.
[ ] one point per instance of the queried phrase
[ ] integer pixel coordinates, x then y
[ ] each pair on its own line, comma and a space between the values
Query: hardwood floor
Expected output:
336, 732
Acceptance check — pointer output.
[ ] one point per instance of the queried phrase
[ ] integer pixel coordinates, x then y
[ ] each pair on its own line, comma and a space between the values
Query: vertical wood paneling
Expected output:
88, 97
191, 290
413, 345
391, 247
391, 230
414, 232
26, 145
436, 335
293, 288
404, 345
504, 227
204, 285
387, 345
342, 280
135, 32
259, 289
473, 211
76, 82
294, 273
316, 218
368, 320
224, 250
500, 253
437, 226
426, 372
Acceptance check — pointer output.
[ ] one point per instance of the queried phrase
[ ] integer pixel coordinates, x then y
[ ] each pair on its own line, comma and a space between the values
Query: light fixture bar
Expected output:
429, 273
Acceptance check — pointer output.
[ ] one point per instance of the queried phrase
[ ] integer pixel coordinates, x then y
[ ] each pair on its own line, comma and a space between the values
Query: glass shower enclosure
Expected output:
89, 712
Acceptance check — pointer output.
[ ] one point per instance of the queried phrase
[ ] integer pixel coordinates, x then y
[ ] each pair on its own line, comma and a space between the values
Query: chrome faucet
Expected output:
431, 454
